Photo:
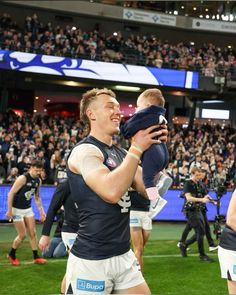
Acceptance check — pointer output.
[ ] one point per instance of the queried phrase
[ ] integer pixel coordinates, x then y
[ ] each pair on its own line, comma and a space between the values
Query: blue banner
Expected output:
172, 211
90, 69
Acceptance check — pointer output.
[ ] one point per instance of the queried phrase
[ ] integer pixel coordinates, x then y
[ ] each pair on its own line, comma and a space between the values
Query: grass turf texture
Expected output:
165, 271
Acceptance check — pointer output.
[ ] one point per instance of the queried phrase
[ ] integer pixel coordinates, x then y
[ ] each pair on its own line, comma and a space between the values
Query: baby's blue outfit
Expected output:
156, 158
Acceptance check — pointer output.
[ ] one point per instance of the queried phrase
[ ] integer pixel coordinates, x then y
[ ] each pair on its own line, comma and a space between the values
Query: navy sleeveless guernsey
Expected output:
103, 227
22, 199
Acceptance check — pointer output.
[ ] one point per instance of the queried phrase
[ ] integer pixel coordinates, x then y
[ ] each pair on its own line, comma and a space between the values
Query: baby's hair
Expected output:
155, 96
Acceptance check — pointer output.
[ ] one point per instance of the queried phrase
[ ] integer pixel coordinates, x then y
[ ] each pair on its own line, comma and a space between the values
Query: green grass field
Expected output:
166, 272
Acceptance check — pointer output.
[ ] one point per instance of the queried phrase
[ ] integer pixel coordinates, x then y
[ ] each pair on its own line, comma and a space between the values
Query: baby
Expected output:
150, 111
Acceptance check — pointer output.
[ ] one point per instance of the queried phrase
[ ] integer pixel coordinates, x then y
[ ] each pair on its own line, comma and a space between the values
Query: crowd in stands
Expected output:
211, 148
51, 138
146, 50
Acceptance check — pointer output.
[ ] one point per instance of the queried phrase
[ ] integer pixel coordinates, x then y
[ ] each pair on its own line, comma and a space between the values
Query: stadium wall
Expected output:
171, 212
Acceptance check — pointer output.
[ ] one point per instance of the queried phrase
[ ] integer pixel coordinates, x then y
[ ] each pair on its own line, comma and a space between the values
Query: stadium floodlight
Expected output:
213, 101
127, 88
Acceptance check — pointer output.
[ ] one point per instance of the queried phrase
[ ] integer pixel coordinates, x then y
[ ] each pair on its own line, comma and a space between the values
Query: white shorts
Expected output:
19, 214
103, 276
227, 259
140, 219
68, 239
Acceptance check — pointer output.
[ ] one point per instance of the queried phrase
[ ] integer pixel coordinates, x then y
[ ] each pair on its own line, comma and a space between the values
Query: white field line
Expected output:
22, 262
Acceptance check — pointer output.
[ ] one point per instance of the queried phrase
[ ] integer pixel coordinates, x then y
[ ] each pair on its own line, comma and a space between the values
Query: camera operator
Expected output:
203, 192
227, 247
193, 211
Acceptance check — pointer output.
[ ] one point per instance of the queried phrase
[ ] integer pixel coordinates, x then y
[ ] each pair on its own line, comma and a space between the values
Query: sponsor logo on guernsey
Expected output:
90, 286
110, 162
16, 217
234, 269
133, 220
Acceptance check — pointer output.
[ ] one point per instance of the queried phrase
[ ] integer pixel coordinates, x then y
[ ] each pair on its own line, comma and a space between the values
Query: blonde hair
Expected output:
195, 169
154, 95
87, 98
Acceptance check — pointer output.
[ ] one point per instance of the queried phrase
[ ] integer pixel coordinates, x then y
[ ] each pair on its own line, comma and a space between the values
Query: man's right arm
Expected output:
188, 193
190, 198
61, 193
112, 185
231, 213
18, 184
58, 199
87, 160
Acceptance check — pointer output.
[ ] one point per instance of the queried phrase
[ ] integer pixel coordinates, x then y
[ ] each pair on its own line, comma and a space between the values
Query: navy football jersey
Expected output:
103, 227
61, 197
228, 238
22, 199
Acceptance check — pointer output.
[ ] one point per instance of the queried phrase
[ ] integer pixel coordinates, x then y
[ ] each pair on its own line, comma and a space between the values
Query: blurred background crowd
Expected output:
146, 50
51, 138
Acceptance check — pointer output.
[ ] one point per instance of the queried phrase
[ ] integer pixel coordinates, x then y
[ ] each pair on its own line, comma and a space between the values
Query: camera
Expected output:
220, 187
220, 190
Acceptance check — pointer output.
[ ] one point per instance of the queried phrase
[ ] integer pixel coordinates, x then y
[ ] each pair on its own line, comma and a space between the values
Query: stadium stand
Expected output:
69, 41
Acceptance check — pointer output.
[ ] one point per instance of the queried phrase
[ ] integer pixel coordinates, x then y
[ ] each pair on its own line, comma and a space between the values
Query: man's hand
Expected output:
9, 215
145, 138
205, 200
42, 216
164, 135
44, 243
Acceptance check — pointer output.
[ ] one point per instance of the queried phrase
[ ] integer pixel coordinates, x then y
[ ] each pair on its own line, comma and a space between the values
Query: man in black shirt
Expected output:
203, 191
194, 201
227, 247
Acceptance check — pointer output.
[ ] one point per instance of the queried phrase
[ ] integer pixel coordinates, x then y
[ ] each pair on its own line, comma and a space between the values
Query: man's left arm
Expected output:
138, 184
